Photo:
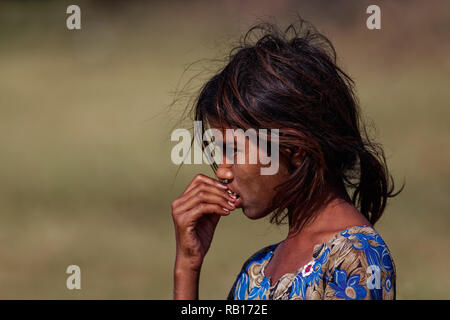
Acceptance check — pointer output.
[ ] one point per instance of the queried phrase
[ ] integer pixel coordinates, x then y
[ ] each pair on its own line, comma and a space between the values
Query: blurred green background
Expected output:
85, 122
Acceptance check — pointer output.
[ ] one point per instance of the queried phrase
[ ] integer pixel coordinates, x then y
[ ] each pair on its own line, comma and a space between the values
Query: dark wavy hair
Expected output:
289, 80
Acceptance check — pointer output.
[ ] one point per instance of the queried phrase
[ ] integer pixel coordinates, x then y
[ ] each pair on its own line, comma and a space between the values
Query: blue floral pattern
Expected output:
302, 281
356, 264
242, 283
347, 288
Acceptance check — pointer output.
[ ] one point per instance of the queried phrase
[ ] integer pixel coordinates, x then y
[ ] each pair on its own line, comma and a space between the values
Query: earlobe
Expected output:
297, 157
294, 156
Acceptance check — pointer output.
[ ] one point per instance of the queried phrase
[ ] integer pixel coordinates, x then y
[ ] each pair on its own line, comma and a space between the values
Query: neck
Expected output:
336, 200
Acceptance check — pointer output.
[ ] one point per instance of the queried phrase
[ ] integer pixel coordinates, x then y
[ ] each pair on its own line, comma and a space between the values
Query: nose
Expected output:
224, 172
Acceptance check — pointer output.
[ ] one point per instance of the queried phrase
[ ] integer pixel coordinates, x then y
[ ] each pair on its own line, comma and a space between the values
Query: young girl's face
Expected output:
256, 191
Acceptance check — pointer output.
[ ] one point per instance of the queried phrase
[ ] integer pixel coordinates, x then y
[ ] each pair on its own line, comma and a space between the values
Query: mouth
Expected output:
238, 202
233, 193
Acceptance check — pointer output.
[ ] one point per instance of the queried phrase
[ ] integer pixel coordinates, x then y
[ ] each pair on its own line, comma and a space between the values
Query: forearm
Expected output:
186, 282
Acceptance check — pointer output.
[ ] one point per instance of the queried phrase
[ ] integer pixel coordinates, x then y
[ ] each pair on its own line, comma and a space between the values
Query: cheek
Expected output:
253, 185
247, 178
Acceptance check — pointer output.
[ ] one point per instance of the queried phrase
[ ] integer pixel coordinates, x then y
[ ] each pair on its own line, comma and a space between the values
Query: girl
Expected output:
290, 81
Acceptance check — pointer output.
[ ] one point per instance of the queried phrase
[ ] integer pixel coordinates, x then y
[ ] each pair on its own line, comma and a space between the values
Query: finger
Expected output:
211, 189
204, 196
202, 187
200, 178
187, 201
206, 208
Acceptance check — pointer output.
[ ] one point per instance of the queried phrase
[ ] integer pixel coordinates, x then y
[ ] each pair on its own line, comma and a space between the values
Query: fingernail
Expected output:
230, 193
231, 203
226, 209
222, 185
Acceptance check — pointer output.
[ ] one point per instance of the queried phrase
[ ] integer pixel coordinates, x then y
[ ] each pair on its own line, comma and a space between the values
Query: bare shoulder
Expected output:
344, 220
328, 234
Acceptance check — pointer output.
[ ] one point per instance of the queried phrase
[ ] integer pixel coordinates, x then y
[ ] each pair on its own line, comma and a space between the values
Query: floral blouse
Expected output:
356, 264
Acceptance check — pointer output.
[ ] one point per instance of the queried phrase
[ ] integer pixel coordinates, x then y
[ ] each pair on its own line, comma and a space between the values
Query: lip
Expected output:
238, 203
231, 189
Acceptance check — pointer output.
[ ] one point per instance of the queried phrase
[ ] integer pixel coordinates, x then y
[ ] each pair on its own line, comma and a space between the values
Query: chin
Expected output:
253, 214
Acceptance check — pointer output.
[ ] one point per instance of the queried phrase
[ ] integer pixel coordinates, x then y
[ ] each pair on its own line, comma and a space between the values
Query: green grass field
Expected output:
85, 170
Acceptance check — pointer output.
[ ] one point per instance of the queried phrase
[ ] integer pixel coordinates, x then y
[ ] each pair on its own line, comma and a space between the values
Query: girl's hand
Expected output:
196, 214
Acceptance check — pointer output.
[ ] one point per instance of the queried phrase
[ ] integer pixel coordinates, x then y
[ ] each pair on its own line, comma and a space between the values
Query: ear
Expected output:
297, 156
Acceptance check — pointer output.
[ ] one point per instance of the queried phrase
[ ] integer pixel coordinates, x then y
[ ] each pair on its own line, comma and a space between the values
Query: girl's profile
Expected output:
331, 186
